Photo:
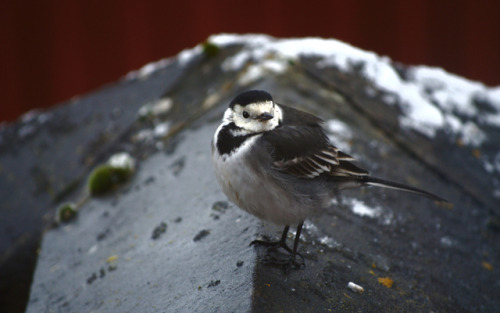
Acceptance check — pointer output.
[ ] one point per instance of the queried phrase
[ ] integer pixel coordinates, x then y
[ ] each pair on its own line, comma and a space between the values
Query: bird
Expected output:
277, 163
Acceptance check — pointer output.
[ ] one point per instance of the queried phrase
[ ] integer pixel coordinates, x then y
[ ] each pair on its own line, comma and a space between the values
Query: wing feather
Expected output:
301, 148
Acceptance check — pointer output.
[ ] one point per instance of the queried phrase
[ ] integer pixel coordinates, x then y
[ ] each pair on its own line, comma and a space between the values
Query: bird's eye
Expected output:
245, 114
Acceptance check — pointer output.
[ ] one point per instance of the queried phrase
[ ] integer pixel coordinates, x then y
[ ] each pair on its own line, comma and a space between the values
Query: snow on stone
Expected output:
188, 54
162, 106
122, 160
454, 97
31, 122
184, 57
323, 239
161, 129
338, 127
360, 208
256, 71
148, 69
339, 133
431, 99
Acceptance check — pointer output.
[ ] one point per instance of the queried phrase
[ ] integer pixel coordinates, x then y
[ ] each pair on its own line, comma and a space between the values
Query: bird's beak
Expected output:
264, 117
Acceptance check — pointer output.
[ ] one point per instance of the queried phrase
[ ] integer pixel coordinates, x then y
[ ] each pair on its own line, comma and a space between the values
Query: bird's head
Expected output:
253, 111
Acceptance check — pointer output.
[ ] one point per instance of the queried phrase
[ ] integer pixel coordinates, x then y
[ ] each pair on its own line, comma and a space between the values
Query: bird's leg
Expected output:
296, 242
282, 242
294, 252
274, 245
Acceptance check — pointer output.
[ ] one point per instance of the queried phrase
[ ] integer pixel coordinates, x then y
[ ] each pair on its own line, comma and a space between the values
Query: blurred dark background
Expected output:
53, 50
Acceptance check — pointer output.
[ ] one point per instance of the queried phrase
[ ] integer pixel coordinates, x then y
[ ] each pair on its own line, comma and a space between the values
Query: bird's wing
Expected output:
305, 151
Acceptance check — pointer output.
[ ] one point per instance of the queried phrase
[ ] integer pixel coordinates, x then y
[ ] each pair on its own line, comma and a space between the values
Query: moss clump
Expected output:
210, 49
105, 178
66, 213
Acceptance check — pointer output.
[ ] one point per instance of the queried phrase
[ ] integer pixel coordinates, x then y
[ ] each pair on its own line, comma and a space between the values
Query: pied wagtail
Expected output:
277, 163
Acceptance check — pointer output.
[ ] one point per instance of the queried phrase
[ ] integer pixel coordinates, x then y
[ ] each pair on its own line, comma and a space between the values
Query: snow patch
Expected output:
148, 69
156, 108
312, 229
360, 208
339, 133
430, 98
122, 160
161, 129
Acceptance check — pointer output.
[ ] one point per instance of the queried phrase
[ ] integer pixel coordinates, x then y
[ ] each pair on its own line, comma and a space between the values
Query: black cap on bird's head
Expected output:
250, 96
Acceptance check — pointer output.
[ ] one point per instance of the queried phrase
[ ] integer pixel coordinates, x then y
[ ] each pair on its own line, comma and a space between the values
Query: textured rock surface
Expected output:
169, 241
46, 156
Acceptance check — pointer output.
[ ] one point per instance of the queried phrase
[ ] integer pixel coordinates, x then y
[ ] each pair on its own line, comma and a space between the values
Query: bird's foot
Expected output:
287, 262
271, 245
274, 257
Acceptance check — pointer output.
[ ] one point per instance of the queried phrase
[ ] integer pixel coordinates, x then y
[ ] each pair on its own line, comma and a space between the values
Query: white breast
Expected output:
245, 183
232, 172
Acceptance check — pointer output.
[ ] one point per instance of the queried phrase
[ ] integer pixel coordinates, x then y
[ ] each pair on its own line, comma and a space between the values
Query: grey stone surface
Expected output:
198, 256
45, 156
439, 258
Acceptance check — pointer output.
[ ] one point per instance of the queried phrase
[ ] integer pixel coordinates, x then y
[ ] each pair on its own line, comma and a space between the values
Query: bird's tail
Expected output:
372, 181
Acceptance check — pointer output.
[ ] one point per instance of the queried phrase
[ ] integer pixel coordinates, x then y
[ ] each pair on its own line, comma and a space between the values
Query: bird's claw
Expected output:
273, 257
271, 245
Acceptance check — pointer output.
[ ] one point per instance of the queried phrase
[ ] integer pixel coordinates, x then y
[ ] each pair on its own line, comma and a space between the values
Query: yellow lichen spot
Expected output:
112, 259
374, 265
386, 281
487, 265
371, 272
446, 205
476, 153
268, 285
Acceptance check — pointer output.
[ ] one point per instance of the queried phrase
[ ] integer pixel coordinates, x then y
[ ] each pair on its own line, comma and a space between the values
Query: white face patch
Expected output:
247, 117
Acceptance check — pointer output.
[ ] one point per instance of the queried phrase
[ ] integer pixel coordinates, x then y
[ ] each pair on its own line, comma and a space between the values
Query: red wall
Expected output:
52, 50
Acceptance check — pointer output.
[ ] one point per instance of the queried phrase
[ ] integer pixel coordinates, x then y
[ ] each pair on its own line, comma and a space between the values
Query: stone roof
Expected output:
169, 240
